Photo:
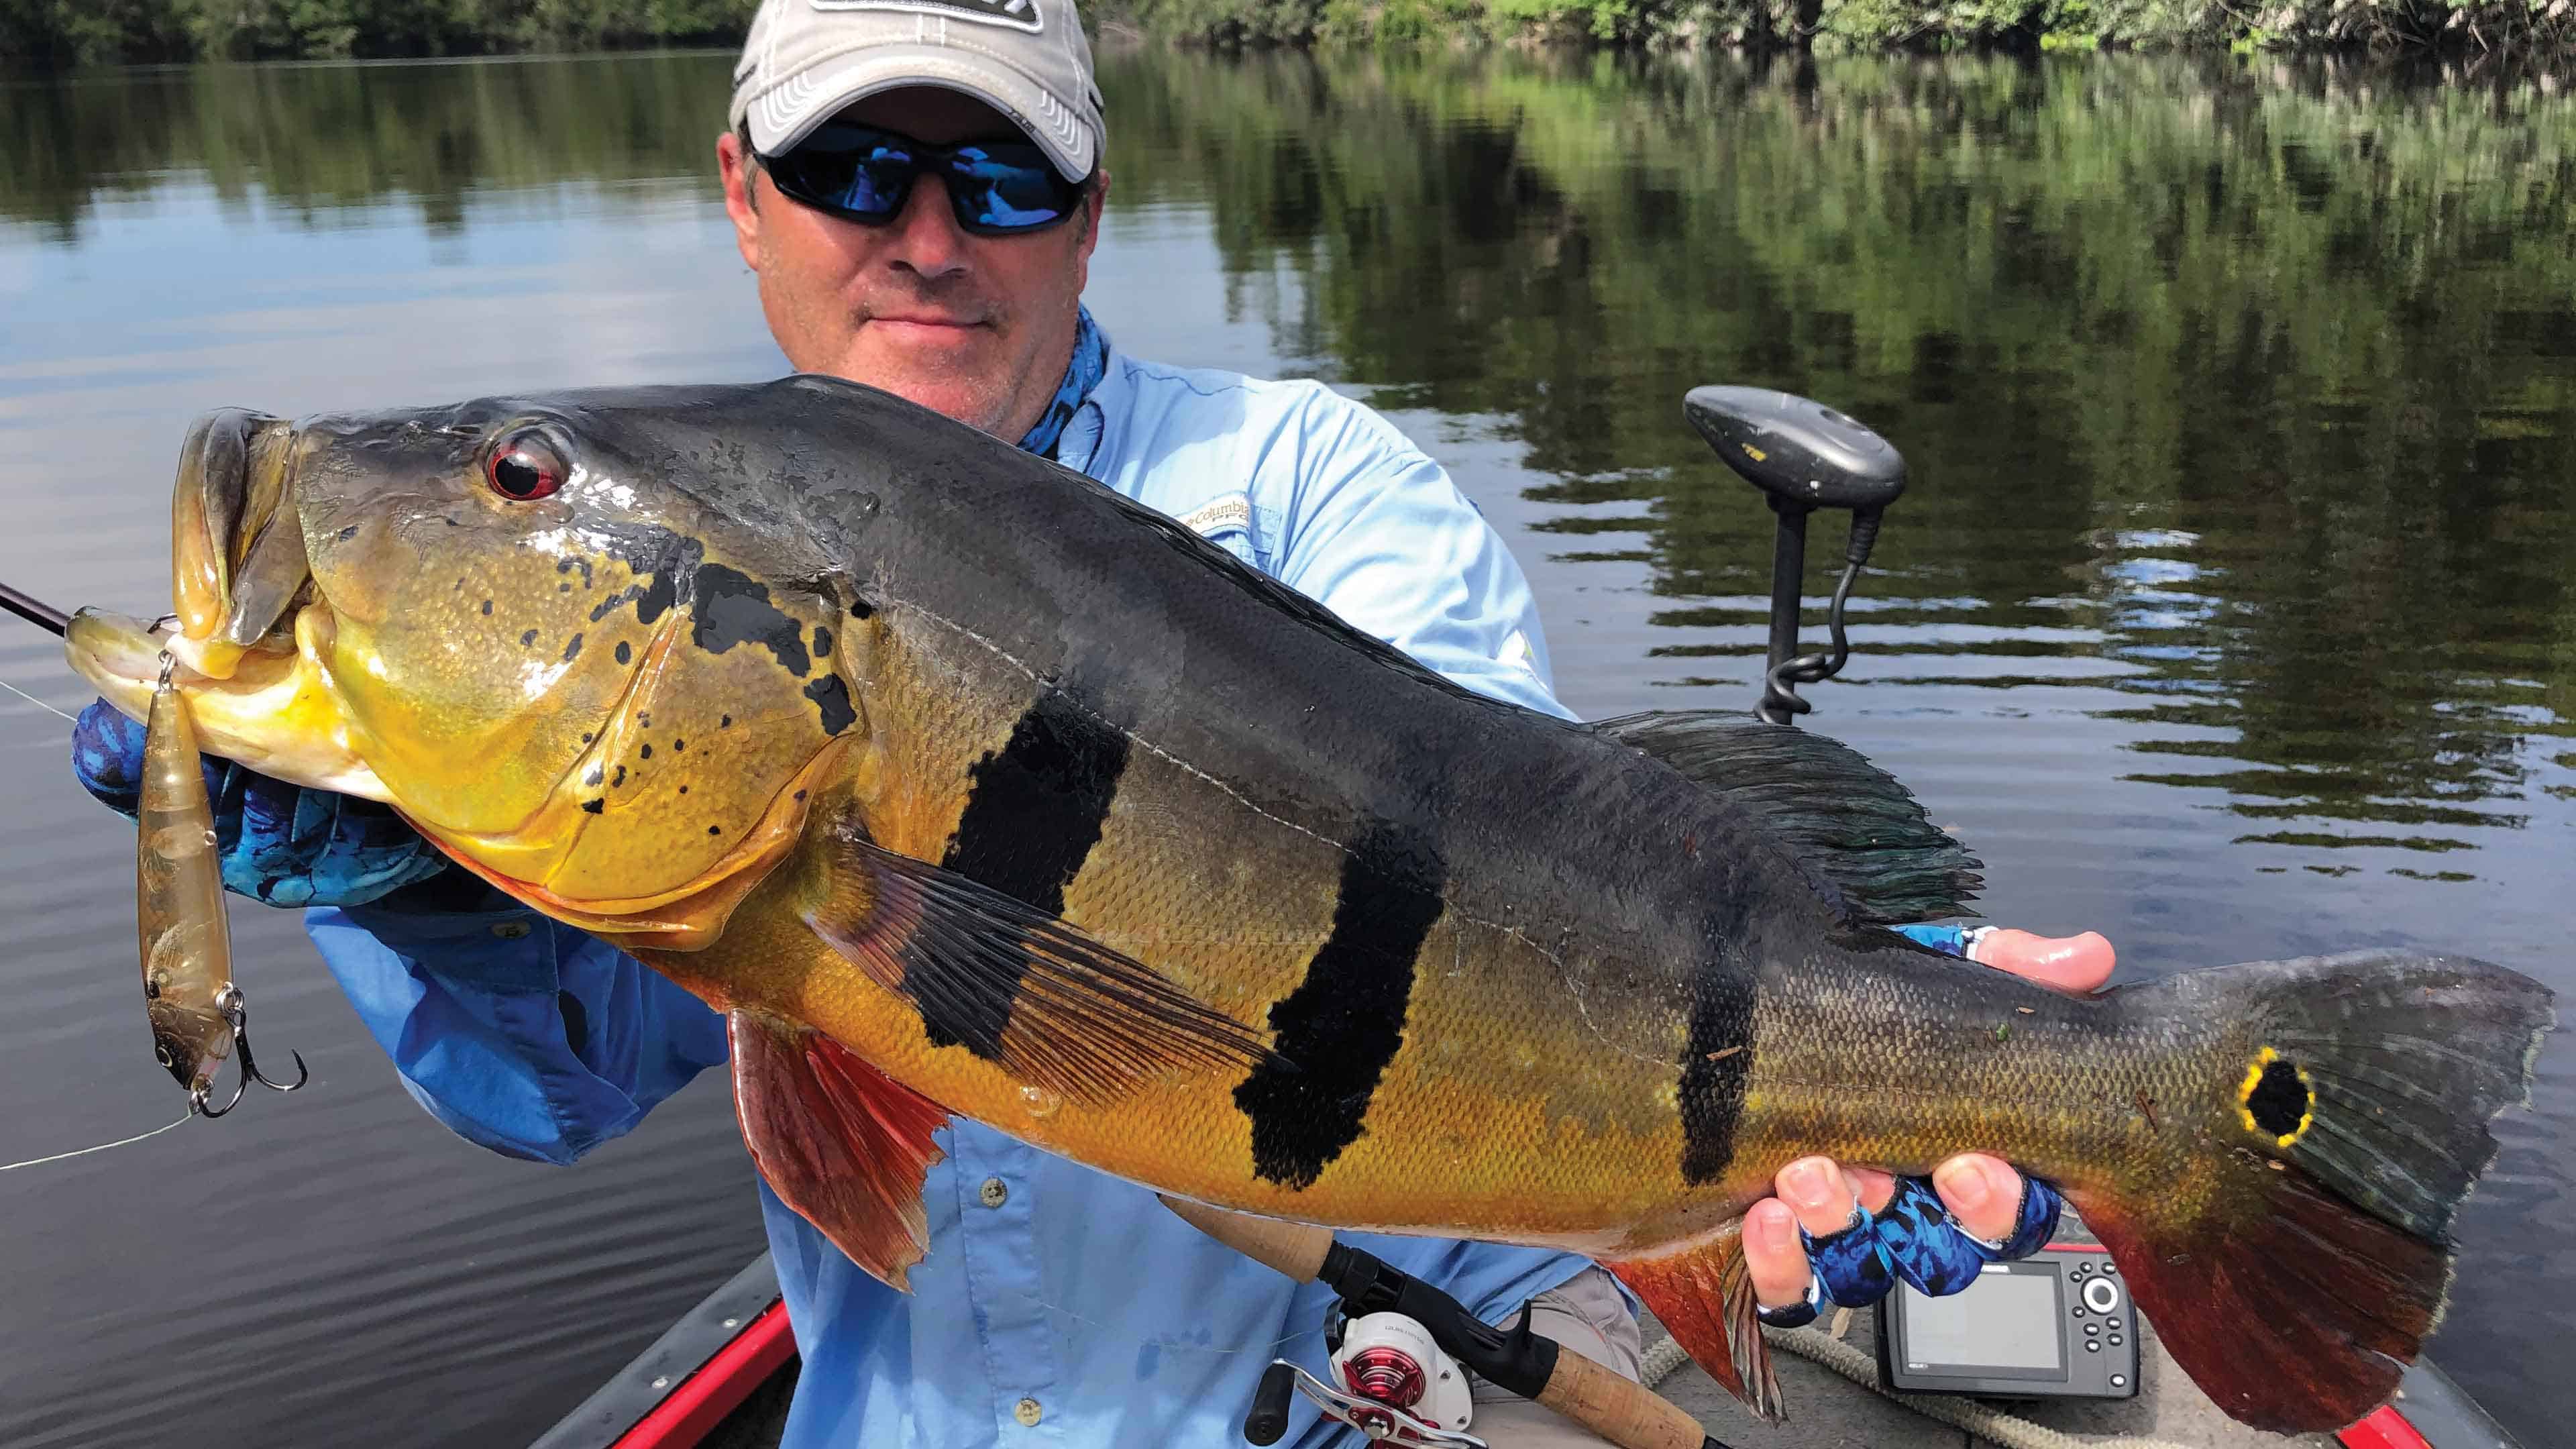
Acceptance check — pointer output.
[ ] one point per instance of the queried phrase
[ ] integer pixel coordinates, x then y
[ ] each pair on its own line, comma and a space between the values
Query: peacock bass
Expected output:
965, 785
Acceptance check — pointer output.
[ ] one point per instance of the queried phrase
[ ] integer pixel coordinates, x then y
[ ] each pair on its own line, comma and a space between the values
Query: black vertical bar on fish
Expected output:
34, 610
1788, 571
1037, 807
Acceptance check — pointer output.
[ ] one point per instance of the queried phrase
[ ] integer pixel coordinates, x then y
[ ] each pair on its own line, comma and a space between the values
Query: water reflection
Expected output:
2241, 405
2272, 371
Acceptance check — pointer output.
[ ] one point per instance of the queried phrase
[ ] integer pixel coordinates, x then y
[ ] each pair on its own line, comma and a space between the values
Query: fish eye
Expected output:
525, 468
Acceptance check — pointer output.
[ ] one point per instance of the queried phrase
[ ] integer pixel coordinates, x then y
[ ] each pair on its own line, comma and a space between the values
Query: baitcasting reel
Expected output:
1397, 1386
1803, 456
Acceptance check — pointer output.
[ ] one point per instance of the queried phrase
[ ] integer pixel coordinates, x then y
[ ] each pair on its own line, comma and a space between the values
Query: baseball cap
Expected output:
806, 59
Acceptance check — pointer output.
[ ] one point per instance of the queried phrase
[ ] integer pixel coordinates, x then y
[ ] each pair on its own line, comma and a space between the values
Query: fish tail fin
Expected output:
2297, 1268
1703, 1296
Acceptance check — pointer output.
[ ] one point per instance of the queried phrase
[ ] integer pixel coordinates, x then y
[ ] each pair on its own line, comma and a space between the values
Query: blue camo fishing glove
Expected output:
281, 844
1914, 1237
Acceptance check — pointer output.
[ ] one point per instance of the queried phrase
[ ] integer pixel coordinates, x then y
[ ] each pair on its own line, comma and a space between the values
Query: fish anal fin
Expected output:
1703, 1296
1013, 984
1848, 820
842, 1143
2343, 1301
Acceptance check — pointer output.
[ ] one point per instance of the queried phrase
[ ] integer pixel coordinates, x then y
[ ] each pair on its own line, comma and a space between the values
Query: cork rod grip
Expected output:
1296, 1249
1621, 1410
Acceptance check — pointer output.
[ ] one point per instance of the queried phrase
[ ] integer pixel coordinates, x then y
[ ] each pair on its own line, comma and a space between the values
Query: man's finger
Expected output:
1982, 1192
1818, 1193
2069, 963
1773, 1256
1871, 1186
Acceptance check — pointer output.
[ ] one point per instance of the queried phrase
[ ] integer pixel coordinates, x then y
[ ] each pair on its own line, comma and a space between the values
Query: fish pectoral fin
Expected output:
1846, 819
842, 1143
1015, 985
1703, 1296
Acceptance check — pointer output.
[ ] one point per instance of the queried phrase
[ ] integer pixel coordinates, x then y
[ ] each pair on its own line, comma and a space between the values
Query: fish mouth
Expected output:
273, 712
250, 643
236, 544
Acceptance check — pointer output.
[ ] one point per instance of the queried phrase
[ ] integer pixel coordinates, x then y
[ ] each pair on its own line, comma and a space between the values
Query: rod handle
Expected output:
1621, 1410
1295, 1249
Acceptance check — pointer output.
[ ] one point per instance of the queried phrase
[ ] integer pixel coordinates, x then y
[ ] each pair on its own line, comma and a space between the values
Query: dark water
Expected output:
2230, 612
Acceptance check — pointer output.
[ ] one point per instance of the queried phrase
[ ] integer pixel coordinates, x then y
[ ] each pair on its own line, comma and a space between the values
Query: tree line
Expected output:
39, 35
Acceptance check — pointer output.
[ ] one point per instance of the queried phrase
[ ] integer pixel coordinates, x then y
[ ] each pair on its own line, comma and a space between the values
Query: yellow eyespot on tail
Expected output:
2277, 1099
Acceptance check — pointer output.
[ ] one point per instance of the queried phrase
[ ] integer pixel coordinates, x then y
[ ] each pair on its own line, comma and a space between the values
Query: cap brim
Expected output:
786, 114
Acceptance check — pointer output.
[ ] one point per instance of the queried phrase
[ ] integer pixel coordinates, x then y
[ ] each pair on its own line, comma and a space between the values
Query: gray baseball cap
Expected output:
806, 59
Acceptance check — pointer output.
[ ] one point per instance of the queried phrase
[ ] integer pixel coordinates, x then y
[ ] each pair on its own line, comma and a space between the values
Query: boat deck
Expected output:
747, 1405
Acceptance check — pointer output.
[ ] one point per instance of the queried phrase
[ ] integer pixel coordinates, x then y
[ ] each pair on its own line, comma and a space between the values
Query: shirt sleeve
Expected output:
520, 1033
1376, 532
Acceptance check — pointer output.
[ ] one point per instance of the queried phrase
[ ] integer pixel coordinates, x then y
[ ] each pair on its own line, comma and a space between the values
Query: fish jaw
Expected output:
276, 713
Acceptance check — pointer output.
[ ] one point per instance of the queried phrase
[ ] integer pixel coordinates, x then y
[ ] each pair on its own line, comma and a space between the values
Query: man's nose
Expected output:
925, 236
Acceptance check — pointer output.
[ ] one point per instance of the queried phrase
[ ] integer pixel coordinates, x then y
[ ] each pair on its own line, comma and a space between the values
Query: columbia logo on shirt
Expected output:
1018, 14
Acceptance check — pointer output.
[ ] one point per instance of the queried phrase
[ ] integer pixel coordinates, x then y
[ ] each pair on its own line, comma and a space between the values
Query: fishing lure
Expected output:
198, 1015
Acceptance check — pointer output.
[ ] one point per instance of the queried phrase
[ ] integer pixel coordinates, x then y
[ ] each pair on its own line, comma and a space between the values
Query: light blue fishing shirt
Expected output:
1057, 1306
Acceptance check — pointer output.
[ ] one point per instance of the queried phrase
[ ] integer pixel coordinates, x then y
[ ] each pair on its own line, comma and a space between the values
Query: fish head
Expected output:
563, 636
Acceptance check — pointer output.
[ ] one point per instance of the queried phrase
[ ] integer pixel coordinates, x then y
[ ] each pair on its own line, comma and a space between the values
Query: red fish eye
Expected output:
525, 468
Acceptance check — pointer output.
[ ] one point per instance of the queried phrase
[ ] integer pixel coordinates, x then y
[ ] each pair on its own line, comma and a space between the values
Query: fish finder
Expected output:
2055, 1325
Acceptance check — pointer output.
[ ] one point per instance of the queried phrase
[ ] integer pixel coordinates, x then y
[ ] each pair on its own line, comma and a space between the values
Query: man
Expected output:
916, 184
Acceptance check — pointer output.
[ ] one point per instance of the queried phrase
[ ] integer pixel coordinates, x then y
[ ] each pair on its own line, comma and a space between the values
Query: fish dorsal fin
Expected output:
842, 1143
1014, 984
1846, 818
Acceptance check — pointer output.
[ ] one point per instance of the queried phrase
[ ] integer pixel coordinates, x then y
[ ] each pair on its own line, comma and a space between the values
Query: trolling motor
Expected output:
1803, 456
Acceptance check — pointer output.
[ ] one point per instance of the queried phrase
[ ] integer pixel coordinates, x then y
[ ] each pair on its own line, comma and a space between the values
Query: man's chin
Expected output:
948, 375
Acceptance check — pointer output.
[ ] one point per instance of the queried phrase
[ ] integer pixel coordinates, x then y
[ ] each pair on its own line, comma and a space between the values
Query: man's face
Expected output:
976, 327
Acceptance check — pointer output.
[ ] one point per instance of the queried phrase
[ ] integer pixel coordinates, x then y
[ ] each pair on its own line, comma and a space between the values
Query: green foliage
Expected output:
38, 34
2518, 26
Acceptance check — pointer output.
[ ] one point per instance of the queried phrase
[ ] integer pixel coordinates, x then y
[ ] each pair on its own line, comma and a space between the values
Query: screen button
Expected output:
2100, 1296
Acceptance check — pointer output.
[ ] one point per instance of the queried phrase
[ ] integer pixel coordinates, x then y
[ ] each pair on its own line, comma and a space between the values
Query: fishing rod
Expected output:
1804, 456
1390, 1381
34, 610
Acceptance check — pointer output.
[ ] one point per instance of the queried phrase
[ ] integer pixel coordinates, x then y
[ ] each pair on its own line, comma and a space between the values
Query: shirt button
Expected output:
510, 930
1028, 1413
995, 1192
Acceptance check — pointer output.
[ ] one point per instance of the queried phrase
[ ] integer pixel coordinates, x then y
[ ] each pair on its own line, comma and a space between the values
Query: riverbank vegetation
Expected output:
51, 34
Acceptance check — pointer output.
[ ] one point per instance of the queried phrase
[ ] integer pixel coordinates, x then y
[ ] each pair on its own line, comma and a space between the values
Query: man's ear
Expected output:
1091, 207
741, 174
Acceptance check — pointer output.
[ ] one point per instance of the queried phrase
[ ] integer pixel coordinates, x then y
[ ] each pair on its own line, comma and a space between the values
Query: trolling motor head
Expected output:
1803, 456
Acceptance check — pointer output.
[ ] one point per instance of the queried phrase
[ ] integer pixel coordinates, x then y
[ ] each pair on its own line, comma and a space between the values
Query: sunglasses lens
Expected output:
1008, 188
865, 174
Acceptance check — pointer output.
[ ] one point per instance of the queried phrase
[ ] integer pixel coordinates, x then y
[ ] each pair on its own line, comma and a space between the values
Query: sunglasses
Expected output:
863, 174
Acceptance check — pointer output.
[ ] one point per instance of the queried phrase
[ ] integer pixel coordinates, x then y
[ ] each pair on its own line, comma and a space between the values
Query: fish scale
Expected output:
1009, 798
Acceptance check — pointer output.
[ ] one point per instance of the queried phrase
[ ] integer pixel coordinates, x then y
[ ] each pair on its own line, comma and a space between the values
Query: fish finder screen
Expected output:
2007, 1321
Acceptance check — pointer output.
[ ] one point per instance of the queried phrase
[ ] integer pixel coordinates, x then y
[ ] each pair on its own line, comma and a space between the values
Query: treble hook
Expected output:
236, 1009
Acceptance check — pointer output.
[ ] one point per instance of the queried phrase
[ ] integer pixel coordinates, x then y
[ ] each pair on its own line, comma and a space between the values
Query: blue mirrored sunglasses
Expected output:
863, 174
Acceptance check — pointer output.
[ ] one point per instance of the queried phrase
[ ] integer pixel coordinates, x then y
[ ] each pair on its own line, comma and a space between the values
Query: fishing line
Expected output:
102, 1147
38, 703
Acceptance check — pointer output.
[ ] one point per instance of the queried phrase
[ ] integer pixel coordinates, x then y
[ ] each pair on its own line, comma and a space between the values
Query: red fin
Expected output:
842, 1143
1704, 1298
2297, 1314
